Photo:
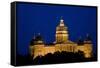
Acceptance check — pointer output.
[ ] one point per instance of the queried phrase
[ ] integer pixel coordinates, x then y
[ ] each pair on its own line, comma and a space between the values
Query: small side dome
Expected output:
32, 42
37, 40
88, 39
38, 37
80, 41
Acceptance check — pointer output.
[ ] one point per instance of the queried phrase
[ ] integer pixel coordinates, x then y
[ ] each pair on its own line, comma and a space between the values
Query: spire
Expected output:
88, 38
80, 41
61, 22
34, 36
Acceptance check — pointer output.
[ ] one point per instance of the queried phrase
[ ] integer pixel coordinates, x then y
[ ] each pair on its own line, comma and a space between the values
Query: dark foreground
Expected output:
57, 57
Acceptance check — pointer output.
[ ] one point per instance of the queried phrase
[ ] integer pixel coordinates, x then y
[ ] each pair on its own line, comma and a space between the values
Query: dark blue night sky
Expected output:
33, 19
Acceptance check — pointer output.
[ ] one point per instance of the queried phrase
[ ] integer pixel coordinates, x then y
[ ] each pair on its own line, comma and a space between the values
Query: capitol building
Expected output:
62, 43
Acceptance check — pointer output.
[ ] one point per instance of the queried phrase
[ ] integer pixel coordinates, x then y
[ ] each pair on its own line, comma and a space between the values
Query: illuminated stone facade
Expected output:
62, 43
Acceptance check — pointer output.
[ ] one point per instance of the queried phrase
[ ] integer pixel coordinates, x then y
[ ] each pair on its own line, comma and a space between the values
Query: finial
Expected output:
61, 20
